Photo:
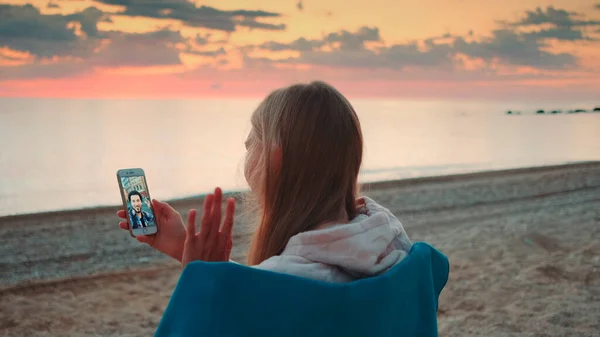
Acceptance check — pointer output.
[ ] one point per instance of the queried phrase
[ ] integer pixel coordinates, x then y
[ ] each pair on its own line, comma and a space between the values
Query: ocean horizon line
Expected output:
365, 186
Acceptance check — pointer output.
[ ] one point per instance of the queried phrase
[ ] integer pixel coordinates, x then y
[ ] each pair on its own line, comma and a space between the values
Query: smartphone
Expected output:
137, 202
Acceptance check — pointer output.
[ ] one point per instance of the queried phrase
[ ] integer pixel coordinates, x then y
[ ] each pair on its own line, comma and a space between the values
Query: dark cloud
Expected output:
354, 41
250, 14
89, 19
344, 40
300, 44
253, 24
432, 41
27, 22
211, 53
513, 48
299, 5
410, 55
565, 25
206, 39
507, 46
396, 57
140, 49
348, 50
156, 48
24, 28
559, 33
191, 15
52, 5
556, 17
202, 40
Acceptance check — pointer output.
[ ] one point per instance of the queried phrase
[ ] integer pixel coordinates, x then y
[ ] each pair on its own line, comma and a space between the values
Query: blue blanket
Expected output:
226, 299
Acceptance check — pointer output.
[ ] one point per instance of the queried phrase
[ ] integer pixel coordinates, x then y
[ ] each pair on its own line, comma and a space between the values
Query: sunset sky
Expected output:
464, 49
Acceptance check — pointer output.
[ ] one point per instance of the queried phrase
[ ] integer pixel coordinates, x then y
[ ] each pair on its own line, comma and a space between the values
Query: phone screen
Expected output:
139, 206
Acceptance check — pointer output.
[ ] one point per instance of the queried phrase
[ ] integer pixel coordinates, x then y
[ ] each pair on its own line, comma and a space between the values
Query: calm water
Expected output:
63, 154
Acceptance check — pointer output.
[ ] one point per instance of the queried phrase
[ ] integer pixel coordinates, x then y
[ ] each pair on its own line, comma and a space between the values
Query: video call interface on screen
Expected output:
139, 208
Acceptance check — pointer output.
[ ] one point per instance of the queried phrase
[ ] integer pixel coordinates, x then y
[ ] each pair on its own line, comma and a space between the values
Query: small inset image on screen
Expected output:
138, 200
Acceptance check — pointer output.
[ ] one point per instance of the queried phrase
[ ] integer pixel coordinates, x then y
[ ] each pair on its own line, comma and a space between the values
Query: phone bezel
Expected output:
136, 172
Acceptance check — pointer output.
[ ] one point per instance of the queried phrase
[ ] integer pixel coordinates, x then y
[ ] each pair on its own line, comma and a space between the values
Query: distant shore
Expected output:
524, 247
555, 111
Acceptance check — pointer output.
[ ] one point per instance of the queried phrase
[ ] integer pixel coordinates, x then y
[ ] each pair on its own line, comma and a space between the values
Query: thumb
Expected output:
160, 206
143, 239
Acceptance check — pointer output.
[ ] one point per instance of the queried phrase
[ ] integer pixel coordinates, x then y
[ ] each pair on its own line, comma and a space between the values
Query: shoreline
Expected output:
364, 187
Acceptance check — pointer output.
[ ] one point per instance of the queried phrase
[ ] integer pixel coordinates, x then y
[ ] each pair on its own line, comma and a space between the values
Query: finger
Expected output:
216, 214
158, 206
228, 223
121, 214
205, 226
124, 225
191, 226
144, 239
217, 204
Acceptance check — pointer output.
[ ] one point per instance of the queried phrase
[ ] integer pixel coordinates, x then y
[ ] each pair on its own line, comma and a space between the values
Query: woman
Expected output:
303, 159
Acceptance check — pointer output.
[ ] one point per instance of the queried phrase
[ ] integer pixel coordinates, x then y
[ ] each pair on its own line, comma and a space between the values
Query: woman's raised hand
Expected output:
213, 243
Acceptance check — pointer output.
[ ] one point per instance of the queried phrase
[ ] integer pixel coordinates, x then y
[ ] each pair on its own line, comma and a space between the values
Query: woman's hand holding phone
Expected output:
170, 237
213, 243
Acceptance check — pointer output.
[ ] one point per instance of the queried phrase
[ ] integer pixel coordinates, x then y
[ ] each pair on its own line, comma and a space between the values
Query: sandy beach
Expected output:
524, 248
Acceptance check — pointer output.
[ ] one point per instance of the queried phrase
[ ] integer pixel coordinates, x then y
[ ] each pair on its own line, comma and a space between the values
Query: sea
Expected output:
58, 154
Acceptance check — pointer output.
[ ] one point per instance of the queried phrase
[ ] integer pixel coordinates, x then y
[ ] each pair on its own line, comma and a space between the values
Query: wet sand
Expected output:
524, 247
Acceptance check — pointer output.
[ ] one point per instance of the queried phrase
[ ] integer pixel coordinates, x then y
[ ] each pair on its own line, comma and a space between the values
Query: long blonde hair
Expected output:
320, 139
